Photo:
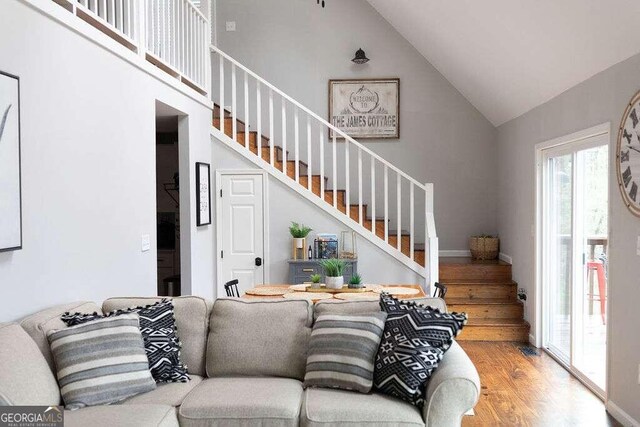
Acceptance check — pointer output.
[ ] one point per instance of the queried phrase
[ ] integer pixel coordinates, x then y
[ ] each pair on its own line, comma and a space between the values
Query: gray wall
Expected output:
285, 206
298, 46
88, 169
600, 99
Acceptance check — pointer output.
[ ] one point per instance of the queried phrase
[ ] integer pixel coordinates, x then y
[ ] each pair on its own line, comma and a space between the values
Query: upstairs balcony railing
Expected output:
174, 35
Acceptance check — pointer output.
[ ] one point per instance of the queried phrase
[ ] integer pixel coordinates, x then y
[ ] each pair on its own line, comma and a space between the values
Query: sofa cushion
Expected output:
258, 338
161, 343
334, 306
243, 401
171, 394
192, 321
25, 376
342, 351
325, 407
101, 362
38, 324
122, 416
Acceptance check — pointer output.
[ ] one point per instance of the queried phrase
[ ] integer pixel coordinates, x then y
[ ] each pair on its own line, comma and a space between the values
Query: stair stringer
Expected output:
319, 202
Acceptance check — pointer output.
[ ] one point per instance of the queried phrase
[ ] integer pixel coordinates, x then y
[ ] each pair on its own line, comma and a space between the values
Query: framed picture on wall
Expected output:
203, 194
365, 108
10, 191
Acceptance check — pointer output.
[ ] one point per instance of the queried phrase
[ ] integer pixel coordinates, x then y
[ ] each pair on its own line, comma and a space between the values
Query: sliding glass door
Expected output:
574, 257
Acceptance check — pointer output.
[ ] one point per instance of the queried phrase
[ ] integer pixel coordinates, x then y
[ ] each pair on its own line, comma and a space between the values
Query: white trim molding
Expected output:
621, 416
454, 253
506, 258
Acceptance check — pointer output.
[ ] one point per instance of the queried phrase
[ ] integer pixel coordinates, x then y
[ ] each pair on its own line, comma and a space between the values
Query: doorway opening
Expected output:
167, 202
573, 214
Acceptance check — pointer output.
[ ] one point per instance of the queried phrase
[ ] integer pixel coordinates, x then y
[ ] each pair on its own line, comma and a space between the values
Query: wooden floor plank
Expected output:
534, 391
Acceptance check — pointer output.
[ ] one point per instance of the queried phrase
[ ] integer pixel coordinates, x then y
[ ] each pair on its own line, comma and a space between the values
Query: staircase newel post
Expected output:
430, 240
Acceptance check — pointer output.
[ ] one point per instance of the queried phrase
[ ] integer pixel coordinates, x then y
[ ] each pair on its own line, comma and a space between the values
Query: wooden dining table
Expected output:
420, 294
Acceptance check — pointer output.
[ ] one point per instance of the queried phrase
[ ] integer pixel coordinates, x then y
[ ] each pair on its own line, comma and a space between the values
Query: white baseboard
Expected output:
506, 258
621, 416
532, 340
454, 253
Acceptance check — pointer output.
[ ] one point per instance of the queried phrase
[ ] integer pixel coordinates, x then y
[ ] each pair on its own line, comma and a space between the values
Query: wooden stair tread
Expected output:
497, 322
471, 261
472, 282
481, 301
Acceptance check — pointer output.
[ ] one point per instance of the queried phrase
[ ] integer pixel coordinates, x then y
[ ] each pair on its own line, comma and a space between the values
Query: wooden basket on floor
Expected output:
484, 247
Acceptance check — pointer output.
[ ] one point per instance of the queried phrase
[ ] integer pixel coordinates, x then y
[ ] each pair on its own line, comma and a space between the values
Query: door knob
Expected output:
258, 262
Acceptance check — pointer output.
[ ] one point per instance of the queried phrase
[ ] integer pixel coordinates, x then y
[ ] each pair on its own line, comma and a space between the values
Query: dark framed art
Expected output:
365, 108
10, 170
203, 194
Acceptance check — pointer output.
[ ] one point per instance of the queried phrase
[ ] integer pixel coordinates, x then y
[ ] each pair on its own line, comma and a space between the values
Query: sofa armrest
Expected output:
453, 389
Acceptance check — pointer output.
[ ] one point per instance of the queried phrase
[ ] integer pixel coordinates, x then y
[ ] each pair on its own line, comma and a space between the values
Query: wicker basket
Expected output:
484, 247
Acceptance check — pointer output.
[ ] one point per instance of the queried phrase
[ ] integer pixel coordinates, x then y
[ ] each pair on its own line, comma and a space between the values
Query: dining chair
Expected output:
231, 287
441, 290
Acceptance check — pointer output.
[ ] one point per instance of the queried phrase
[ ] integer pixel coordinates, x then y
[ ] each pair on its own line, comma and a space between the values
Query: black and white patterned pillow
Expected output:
414, 341
161, 343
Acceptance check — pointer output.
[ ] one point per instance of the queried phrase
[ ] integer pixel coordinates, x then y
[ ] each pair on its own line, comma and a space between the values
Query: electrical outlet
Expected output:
231, 25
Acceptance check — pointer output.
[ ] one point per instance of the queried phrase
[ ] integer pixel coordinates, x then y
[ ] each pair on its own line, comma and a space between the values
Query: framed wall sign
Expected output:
366, 108
10, 195
203, 194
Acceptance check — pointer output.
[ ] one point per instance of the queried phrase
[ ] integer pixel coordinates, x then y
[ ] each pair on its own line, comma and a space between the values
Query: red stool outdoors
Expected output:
598, 267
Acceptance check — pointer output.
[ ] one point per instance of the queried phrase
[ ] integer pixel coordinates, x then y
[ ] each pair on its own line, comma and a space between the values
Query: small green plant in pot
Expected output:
315, 281
333, 270
355, 282
299, 233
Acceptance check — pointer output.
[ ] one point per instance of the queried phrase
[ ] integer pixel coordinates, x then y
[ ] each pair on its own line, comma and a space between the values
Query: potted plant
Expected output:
299, 233
315, 281
333, 269
484, 246
355, 282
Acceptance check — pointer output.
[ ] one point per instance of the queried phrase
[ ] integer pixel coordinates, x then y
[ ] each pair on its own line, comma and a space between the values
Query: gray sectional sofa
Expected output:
247, 361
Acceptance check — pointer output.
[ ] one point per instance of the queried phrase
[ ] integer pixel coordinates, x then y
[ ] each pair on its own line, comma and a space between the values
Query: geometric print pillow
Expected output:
159, 332
436, 327
414, 341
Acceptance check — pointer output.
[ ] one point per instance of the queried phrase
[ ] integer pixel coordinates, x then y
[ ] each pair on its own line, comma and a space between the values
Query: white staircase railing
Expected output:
301, 130
175, 34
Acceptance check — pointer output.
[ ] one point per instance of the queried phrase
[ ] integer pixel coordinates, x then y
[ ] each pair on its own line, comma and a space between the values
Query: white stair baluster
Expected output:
335, 171
412, 242
285, 168
309, 185
347, 174
386, 203
234, 123
360, 212
399, 209
271, 149
296, 149
222, 94
246, 111
373, 195
322, 189
259, 118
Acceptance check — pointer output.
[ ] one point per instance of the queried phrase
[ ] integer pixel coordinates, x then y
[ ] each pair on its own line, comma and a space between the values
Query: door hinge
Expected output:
221, 192
221, 254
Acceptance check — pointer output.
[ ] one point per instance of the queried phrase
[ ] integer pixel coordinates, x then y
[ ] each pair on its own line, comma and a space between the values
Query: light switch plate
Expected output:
146, 242
231, 25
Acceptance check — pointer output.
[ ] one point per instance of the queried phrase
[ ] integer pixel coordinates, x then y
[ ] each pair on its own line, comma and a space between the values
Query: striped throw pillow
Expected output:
101, 362
342, 351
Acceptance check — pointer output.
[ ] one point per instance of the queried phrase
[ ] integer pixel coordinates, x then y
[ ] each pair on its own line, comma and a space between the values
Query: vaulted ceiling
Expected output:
509, 56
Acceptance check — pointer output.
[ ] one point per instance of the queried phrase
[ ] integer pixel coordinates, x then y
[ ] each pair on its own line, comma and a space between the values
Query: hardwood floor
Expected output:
534, 391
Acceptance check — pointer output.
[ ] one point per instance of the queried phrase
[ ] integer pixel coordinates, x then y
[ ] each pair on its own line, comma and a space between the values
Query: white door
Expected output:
242, 230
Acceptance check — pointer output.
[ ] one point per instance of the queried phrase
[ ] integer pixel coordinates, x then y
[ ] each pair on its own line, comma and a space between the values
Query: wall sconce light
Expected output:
360, 58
